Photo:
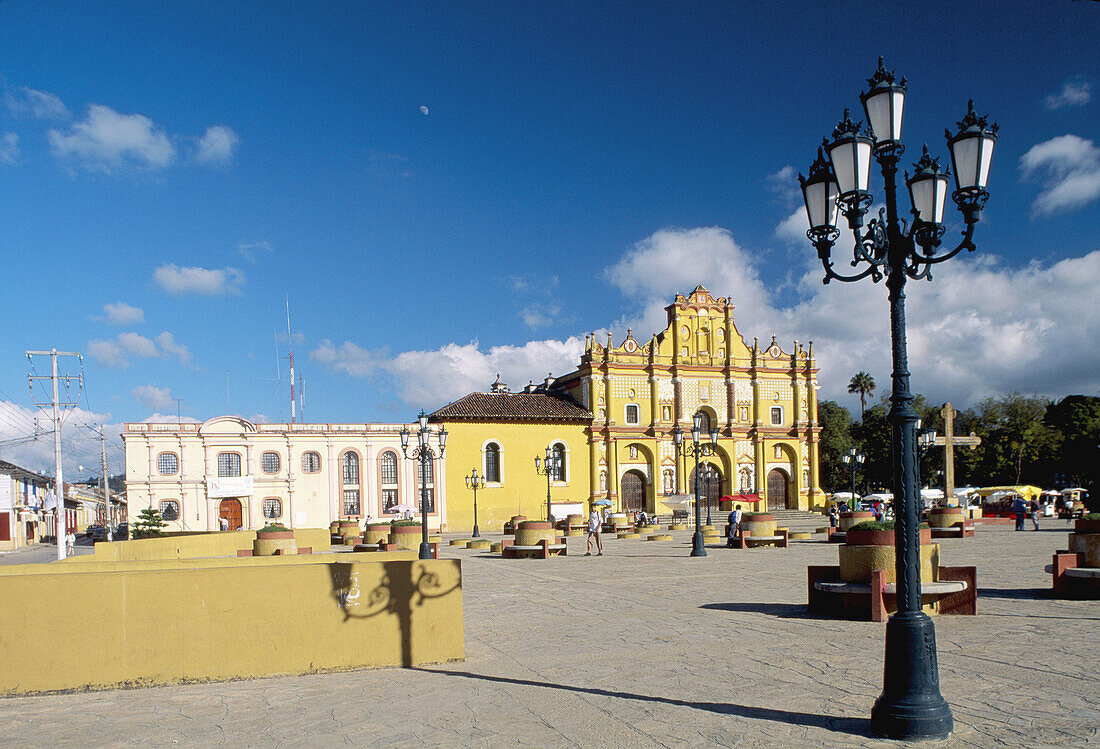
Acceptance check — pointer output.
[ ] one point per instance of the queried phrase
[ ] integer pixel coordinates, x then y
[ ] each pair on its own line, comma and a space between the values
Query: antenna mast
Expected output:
290, 343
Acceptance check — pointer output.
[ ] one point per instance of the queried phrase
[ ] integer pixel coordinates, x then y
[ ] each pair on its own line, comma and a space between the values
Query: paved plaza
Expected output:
646, 647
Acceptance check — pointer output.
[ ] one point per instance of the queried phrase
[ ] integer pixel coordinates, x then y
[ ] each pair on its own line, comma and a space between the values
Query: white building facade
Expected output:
228, 473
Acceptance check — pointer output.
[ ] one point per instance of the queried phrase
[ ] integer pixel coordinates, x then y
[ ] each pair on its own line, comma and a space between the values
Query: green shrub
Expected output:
148, 525
753, 514
404, 523
1091, 516
878, 525
274, 528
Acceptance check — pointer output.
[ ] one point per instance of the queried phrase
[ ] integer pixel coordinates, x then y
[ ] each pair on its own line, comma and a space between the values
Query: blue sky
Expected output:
444, 191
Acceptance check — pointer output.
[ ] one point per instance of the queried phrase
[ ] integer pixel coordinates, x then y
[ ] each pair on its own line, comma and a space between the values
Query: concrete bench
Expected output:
382, 546
965, 529
748, 541
1072, 580
542, 550
954, 593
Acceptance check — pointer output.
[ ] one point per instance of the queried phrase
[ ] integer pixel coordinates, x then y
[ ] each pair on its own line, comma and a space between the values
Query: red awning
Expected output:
741, 498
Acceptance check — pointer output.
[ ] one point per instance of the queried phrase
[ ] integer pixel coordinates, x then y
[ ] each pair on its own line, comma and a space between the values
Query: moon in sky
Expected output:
423, 109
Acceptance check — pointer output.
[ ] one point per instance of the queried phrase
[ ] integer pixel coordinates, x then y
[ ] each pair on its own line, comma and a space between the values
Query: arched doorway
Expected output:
633, 491
777, 489
230, 510
710, 485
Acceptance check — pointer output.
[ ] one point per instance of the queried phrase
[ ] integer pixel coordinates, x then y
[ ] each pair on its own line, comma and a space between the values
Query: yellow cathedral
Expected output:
610, 424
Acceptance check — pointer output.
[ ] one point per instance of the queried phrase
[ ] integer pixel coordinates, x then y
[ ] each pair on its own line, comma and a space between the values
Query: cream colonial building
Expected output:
302, 475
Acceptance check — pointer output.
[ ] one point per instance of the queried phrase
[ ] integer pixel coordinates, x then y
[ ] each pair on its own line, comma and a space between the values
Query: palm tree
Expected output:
864, 384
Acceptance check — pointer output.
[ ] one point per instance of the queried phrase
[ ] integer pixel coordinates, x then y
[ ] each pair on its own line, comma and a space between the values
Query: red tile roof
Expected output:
512, 407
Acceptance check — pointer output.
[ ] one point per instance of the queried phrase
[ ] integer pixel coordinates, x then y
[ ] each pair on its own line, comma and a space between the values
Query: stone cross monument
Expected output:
948, 442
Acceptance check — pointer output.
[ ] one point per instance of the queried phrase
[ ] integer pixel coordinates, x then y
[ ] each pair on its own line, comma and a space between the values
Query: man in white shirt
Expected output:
595, 527
733, 529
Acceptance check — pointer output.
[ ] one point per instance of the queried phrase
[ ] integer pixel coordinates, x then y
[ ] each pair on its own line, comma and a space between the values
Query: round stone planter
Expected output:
376, 533
270, 543
346, 525
496, 547
333, 526
677, 527
575, 521
1084, 525
618, 520
758, 525
863, 551
530, 532
659, 537
848, 519
628, 534
480, 544
463, 542
975, 513
945, 517
405, 536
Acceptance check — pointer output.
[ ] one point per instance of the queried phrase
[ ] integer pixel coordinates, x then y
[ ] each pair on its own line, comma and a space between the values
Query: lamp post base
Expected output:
425, 550
697, 547
911, 706
476, 534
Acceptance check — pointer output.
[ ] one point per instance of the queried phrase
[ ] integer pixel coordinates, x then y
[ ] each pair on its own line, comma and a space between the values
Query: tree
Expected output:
864, 384
1076, 419
148, 525
1017, 446
836, 439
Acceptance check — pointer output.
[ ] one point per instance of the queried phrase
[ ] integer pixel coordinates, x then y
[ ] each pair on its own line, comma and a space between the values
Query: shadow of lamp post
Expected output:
475, 482
551, 467
423, 454
696, 448
910, 706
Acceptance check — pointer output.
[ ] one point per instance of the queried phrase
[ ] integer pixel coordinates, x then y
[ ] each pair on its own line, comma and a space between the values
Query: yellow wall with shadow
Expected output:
144, 623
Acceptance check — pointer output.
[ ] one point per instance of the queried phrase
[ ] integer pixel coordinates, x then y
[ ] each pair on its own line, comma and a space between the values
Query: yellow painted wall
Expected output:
521, 490
224, 619
199, 545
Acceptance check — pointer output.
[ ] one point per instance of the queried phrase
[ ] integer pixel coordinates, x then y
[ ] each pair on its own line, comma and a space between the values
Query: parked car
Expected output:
93, 529
99, 533
122, 533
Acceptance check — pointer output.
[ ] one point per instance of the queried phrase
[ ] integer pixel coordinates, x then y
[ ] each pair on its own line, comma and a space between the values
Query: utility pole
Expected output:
106, 485
61, 527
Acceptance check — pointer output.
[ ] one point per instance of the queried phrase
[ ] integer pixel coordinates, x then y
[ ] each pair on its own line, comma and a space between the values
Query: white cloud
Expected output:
107, 140
170, 347
430, 379
178, 280
159, 418
539, 315
1069, 167
250, 250
152, 397
121, 313
34, 449
217, 145
350, 358
1075, 93
118, 351
39, 104
9, 148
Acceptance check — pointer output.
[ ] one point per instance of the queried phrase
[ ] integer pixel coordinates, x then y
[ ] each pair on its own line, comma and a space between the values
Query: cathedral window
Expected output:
491, 470
559, 462
229, 464
631, 414
777, 415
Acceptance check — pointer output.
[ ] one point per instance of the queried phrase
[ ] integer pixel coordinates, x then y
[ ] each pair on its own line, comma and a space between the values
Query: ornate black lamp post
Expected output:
910, 706
853, 458
475, 482
710, 476
549, 468
423, 454
698, 549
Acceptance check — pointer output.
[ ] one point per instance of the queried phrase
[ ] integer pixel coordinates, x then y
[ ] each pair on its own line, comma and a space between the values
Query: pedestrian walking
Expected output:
595, 528
1034, 513
70, 544
1019, 509
834, 517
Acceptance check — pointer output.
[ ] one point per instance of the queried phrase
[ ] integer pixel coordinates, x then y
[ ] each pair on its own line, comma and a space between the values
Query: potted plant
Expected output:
274, 539
406, 534
870, 545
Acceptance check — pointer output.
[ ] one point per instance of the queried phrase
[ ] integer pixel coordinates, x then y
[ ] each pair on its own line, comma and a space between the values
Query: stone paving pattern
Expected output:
646, 647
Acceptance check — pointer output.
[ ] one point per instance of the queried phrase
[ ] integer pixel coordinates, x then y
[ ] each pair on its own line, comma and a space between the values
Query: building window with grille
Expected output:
425, 473
170, 509
491, 469
168, 464
351, 502
777, 415
351, 469
270, 462
388, 482
631, 414
311, 462
558, 454
229, 464
273, 508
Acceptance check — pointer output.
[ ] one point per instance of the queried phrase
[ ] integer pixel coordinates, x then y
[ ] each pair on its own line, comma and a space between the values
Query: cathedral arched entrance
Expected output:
710, 484
230, 510
778, 489
633, 486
